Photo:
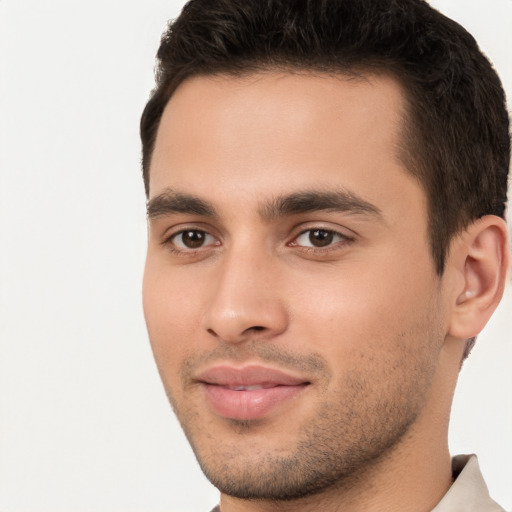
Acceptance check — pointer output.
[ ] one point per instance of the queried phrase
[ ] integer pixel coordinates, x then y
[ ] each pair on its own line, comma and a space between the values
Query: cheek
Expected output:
170, 297
170, 311
369, 304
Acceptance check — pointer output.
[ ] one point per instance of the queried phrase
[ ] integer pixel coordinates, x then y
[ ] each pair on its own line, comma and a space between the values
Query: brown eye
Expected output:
320, 237
192, 239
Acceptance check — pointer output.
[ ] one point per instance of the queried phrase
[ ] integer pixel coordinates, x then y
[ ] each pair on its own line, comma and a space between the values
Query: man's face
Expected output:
291, 300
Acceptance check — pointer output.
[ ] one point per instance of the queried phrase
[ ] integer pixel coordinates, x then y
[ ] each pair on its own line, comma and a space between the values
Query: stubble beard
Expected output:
341, 444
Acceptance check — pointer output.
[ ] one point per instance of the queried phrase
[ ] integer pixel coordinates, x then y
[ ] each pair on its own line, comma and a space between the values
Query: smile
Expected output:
249, 393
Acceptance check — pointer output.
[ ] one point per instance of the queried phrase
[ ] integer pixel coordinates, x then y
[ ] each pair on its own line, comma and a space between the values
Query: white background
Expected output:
84, 423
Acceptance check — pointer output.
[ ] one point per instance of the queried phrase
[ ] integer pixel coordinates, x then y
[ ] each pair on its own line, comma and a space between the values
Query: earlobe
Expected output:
483, 260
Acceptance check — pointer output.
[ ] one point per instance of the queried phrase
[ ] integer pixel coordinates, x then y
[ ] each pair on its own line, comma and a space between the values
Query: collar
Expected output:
468, 492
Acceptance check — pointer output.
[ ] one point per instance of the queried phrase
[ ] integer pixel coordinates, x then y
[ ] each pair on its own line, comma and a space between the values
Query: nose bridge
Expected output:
245, 300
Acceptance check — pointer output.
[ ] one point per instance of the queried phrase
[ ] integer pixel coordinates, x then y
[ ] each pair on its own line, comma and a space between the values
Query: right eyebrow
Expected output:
171, 201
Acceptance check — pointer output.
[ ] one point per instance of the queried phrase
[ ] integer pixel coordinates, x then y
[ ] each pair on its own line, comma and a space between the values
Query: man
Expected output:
326, 185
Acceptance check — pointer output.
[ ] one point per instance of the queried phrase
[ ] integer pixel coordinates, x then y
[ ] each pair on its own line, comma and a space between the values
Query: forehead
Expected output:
272, 133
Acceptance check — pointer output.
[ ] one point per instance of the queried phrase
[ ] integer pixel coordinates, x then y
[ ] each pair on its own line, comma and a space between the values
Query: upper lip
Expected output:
248, 375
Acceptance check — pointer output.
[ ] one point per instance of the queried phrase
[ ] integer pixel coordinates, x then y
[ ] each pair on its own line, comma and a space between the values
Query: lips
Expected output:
248, 392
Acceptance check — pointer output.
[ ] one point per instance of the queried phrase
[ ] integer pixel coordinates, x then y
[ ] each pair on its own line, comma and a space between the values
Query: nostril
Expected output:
256, 328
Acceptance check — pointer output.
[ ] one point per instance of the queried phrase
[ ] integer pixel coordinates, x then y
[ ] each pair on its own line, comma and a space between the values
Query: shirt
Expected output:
468, 492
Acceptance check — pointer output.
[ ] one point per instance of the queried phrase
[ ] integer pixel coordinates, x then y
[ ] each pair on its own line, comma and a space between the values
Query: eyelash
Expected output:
332, 246
169, 243
187, 252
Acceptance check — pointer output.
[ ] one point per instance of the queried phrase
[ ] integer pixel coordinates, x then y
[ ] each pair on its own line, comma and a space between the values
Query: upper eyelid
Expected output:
321, 228
174, 230
340, 230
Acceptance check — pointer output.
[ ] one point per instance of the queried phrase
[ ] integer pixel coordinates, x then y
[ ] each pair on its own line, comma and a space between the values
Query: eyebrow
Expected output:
171, 202
340, 200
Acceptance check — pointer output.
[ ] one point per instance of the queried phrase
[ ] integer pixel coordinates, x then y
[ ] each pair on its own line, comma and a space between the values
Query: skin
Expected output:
364, 319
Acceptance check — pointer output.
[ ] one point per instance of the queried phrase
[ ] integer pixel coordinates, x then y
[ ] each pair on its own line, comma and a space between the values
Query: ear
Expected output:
482, 257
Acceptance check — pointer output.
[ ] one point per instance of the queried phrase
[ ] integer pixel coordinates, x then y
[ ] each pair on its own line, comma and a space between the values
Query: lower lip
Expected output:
249, 404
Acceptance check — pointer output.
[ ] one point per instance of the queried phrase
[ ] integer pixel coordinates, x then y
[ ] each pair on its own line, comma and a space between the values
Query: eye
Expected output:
318, 238
192, 239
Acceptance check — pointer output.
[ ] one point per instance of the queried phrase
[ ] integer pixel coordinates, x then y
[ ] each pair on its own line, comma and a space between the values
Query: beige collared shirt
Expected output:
468, 492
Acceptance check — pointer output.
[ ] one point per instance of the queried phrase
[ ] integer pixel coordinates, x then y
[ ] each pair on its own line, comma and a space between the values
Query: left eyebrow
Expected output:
316, 200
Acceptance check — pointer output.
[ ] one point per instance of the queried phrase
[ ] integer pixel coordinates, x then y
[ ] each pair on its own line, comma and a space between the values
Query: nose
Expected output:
246, 301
